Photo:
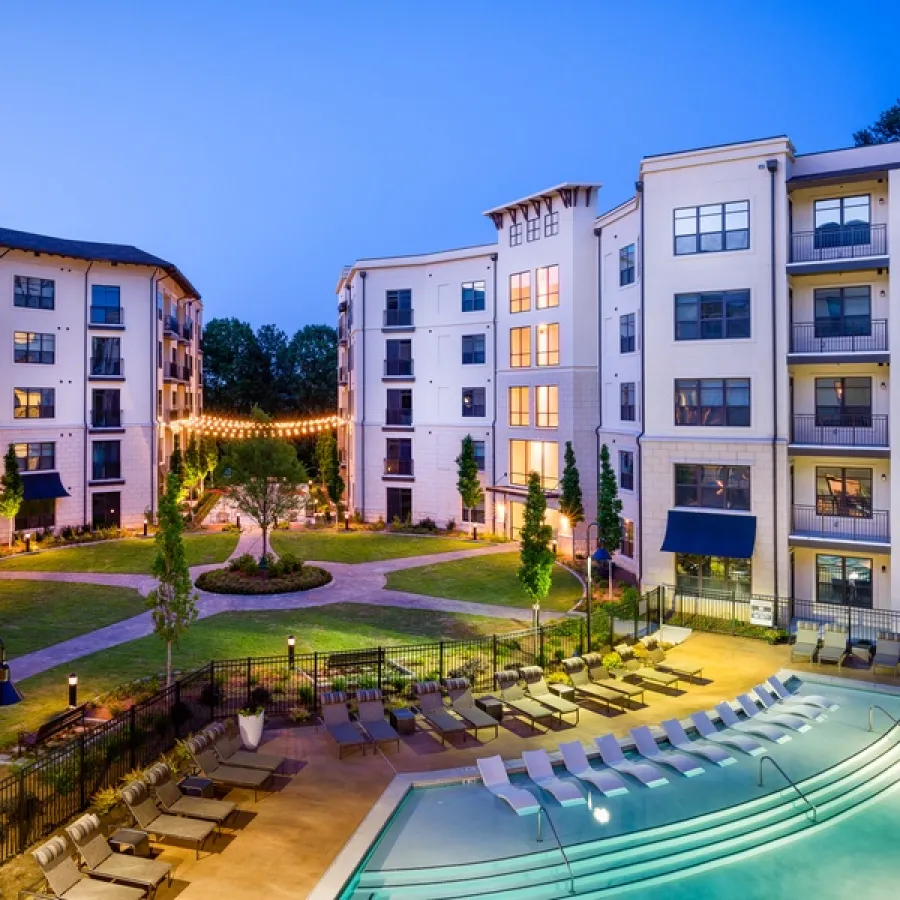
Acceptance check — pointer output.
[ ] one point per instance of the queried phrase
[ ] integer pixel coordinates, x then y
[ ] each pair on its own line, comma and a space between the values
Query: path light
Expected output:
73, 690
28, 542
146, 522
9, 693
291, 642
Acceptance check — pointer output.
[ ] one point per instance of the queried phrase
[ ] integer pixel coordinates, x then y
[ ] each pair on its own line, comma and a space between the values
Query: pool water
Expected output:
463, 825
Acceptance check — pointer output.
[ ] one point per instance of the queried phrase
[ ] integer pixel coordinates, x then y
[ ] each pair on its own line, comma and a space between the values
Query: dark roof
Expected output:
91, 250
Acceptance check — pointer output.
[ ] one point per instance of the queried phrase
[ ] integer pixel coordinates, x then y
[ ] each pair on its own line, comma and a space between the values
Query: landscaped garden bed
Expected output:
245, 575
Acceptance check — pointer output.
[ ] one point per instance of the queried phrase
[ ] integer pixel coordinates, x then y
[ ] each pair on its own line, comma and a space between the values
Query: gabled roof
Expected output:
91, 250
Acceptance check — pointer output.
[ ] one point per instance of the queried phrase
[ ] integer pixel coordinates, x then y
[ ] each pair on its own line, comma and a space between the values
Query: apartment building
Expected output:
102, 372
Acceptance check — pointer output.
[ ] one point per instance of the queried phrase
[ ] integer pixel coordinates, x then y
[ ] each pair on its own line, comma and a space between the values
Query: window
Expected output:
398, 309
475, 515
106, 460
843, 312
515, 234
36, 514
34, 293
712, 576
518, 406
627, 548
547, 287
626, 333
712, 316
626, 470
533, 229
398, 359
36, 457
546, 404
159, 404
843, 222
845, 492
520, 292
519, 347
105, 356
479, 454
472, 296
472, 349
712, 487
473, 405
398, 456
551, 224
159, 355
399, 408
106, 305
399, 504
534, 456
548, 345
105, 507
707, 229
626, 265
106, 411
844, 580
628, 401
159, 305
33, 347
712, 401
34, 403
844, 402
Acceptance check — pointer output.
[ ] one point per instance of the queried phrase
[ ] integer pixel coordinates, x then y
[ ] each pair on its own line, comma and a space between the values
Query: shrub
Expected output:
367, 682
300, 714
559, 678
639, 651
211, 695
245, 563
612, 660
339, 683
451, 524
228, 581
105, 800
260, 696
428, 524
306, 695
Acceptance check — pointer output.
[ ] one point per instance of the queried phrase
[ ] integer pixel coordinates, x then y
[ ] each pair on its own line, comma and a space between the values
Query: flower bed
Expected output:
244, 575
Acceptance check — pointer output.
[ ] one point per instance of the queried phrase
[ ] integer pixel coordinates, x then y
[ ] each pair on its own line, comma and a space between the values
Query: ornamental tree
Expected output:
570, 500
12, 494
536, 556
609, 510
467, 481
193, 470
209, 455
329, 463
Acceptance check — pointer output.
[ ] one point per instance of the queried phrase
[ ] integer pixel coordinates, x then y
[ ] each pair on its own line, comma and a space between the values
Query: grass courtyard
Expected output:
486, 579
128, 556
363, 546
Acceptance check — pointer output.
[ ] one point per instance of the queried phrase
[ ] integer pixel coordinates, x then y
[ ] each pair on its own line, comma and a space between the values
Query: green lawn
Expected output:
38, 614
230, 635
485, 579
132, 555
362, 546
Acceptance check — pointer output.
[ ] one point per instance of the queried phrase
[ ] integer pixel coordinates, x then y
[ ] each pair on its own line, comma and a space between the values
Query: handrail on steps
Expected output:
872, 709
790, 781
540, 839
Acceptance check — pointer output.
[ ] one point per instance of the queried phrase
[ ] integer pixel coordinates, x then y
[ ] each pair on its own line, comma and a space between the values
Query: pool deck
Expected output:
285, 842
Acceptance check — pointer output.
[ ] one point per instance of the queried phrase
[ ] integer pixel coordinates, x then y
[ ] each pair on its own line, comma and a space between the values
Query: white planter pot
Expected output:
251, 729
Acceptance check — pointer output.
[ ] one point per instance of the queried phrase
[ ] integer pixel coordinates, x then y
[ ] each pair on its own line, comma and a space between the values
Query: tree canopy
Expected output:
884, 130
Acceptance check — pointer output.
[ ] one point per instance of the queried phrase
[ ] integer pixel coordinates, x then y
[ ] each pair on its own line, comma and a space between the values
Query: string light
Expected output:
228, 428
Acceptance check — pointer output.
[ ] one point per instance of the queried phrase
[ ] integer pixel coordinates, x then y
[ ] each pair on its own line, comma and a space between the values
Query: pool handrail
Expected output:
562, 850
872, 709
790, 781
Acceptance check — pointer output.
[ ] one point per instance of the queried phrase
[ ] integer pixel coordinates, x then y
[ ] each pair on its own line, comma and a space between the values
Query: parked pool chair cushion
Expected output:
612, 755
686, 668
834, 647
172, 801
431, 705
650, 750
760, 729
706, 729
496, 780
371, 717
606, 781
336, 719
634, 669
67, 883
540, 771
678, 738
584, 687
515, 698
599, 674
810, 699
887, 655
209, 764
807, 641
752, 711
538, 690
792, 707
463, 703
230, 749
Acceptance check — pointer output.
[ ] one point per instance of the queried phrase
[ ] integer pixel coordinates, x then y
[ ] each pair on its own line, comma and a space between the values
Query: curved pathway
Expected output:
361, 583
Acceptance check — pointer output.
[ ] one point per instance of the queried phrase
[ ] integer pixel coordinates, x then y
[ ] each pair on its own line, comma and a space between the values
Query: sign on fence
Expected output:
762, 612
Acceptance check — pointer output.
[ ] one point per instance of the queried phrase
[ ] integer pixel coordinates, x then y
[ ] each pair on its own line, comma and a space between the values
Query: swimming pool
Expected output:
696, 837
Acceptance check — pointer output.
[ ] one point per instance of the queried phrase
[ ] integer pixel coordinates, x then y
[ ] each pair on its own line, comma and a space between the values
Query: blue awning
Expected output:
601, 554
43, 486
710, 534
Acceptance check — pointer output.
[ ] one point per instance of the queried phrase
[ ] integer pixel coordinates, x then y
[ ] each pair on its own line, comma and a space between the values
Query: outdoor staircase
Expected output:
613, 865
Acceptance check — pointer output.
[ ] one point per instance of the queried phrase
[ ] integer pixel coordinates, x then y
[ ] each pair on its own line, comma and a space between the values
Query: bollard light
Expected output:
553, 546
73, 690
146, 522
291, 642
28, 542
238, 520
474, 532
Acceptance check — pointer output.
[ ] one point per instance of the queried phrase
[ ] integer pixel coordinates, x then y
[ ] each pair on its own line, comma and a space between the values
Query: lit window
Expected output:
473, 403
534, 456
712, 487
34, 403
520, 292
547, 287
627, 548
32, 347
548, 345
518, 406
37, 456
546, 403
519, 347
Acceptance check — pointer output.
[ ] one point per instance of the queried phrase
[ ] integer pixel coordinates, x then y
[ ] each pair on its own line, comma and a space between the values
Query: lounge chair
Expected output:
514, 697
607, 782
200, 748
612, 755
834, 647
100, 860
887, 655
496, 780
584, 687
229, 748
634, 668
752, 711
761, 729
538, 690
685, 668
599, 674
649, 749
431, 706
806, 642
68, 883
371, 717
172, 801
463, 704
810, 699
793, 707
336, 719
678, 738
540, 771
707, 730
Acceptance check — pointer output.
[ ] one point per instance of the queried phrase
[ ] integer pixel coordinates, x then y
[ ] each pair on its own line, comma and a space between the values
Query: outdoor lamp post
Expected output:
536, 615
291, 642
73, 690
590, 591
9, 693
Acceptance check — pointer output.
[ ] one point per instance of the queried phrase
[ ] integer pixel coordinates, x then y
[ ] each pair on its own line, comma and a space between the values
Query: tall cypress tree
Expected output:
12, 494
536, 555
609, 509
570, 500
467, 483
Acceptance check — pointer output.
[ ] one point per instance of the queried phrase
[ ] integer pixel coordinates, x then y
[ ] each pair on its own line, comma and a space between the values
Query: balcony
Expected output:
102, 367
853, 340
187, 330
343, 334
172, 371
401, 418
867, 433
398, 318
826, 522
106, 470
187, 373
106, 418
398, 468
111, 316
343, 375
398, 368
171, 326
839, 248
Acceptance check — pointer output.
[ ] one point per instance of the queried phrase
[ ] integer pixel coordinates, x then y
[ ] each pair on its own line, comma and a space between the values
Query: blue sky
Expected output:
260, 146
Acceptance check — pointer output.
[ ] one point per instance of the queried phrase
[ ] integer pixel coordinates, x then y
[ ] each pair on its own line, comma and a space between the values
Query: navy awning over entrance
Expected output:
710, 534
43, 486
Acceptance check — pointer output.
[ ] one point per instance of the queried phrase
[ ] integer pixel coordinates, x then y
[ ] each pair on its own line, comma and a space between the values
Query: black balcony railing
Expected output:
841, 430
187, 330
401, 417
170, 324
107, 315
398, 318
110, 418
856, 335
398, 467
838, 242
106, 471
398, 368
173, 370
187, 373
343, 376
343, 334
102, 367
817, 521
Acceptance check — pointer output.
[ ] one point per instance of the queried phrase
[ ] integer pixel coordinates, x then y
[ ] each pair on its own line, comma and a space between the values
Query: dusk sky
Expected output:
261, 146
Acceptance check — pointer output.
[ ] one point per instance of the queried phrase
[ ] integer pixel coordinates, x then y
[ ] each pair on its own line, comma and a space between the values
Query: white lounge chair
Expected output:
611, 754
678, 738
496, 780
812, 699
608, 783
649, 749
540, 771
707, 730
752, 711
794, 707
761, 729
